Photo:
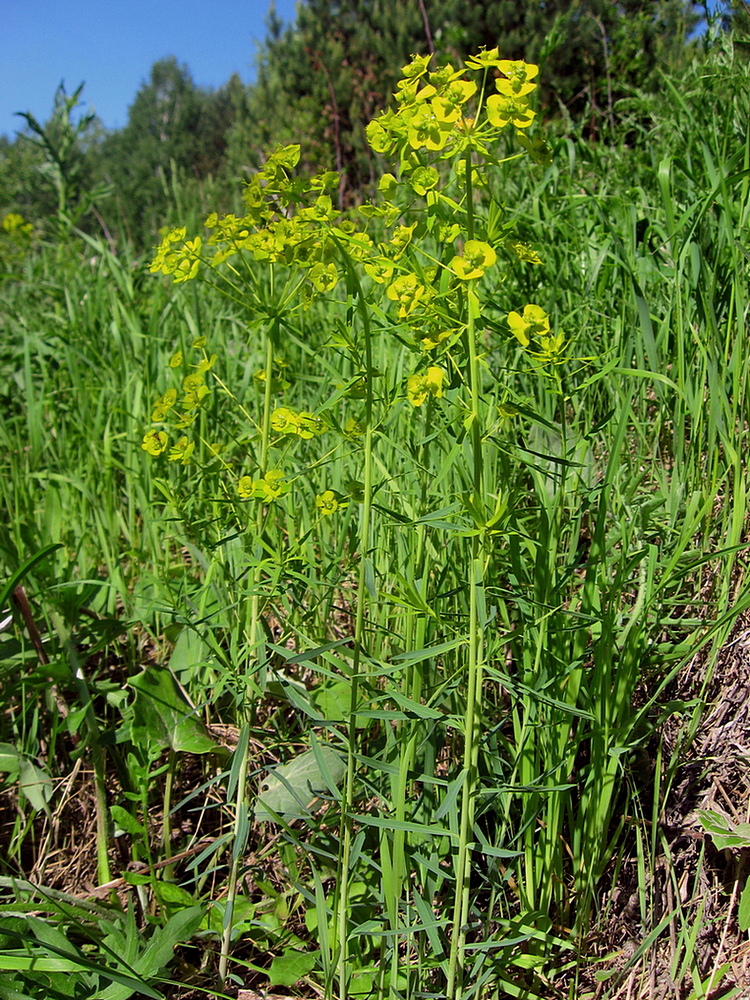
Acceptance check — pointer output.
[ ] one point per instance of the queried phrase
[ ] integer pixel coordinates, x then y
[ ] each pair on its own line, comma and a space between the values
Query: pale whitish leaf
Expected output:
724, 833
291, 789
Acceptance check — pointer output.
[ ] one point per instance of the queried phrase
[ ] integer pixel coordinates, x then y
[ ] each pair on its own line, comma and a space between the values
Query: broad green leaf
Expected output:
743, 915
35, 784
9, 758
189, 652
332, 702
289, 968
724, 833
173, 895
127, 822
291, 789
162, 716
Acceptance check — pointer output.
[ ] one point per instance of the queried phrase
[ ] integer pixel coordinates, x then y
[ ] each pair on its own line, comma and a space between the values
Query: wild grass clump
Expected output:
413, 520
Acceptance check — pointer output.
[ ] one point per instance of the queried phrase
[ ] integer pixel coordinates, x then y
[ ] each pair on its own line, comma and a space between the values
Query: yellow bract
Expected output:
287, 421
416, 68
271, 487
447, 106
477, 257
518, 74
155, 442
182, 451
324, 277
502, 110
327, 503
419, 387
533, 322
408, 292
379, 270
485, 59
163, 404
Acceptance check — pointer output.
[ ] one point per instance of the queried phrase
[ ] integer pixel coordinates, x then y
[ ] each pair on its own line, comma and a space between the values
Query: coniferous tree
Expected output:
323, 78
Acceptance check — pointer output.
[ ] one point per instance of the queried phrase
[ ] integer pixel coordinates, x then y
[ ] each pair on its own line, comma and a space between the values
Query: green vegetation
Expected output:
320, 80
371, 576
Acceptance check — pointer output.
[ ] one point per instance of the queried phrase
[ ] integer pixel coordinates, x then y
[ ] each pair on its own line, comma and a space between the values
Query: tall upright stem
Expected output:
476, 643
241, 807
359, 626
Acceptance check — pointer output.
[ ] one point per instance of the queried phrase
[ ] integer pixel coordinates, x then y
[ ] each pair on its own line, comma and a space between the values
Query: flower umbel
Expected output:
327, 503
533, 323
477, 257
431, 383
155, 442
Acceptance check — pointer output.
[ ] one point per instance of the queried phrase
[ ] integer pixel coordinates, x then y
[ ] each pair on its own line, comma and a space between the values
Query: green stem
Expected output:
347, 819
166, 825
472, 732
409, 730
241, 805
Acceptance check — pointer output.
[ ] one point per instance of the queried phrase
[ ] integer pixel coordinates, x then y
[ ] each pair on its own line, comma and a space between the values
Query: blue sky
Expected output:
113, 45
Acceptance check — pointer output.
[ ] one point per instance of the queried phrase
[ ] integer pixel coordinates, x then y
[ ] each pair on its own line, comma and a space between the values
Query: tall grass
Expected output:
611, 554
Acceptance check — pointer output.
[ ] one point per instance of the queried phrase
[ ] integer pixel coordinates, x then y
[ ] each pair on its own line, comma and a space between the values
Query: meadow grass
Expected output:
612, 558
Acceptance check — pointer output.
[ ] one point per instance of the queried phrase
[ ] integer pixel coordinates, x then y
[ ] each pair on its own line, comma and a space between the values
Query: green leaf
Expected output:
290, 790
158, 953
137, 878
35, 784
9, 758
289, 968
173, 895
743, 915
190, 651
332, 701
127, 822
20, 573
725, 834
163, 717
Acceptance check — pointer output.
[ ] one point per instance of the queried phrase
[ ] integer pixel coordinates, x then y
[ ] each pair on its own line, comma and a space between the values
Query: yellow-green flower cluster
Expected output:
178, 256
15, 239
271, 487
432, 111
531, 328
533, 322
522, 251
288, 221
180, 410
292, 221
285, 420
476, 258
327, 503
17, 227
431, 383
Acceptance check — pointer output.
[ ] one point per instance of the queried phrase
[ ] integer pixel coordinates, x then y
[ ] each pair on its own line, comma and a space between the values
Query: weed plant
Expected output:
431, 563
